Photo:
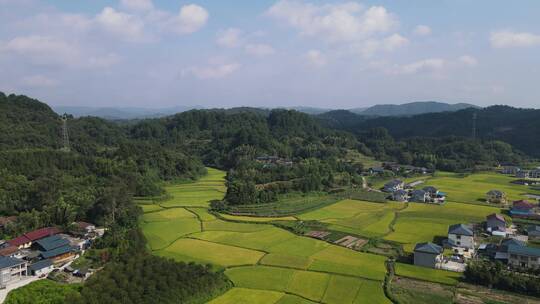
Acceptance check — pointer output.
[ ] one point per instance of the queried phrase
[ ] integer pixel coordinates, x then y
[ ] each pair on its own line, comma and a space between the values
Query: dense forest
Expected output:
495, 123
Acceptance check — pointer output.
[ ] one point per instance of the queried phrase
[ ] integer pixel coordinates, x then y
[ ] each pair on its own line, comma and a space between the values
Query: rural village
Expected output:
40, 253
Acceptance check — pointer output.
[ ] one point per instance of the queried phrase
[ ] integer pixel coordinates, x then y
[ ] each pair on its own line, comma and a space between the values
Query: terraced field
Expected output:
357, 217
267, 264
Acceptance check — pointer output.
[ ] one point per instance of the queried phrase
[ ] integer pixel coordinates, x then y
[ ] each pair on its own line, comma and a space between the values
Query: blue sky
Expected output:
333, 54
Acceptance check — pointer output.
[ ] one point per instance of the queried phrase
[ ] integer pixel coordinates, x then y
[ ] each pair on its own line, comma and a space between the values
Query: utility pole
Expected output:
65, 134
474, 126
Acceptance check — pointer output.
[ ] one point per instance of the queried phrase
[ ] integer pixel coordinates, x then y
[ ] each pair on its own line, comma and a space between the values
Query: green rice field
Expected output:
357, 217
473, 188
427, 274
424, 222
268, 264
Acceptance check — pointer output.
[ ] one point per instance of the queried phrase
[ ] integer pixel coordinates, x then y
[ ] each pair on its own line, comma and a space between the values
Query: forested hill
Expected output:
518, 127
412, 108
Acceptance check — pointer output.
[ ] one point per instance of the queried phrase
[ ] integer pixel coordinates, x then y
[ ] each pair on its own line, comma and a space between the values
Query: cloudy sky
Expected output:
334, 54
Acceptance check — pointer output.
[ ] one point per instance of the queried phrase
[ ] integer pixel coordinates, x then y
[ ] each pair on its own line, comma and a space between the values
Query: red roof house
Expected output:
8, 251
20, 241
41, 233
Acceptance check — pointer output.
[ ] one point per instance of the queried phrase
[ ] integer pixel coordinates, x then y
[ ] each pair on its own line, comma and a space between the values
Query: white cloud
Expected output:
391, 43
39, 81
259, 49
316, 58
48, 50
394, 41
212, 71
41, 49
509, 39
468, 60
425, 65
124, 26
422, 30
190, 19
334, 22
230, 38
137, 5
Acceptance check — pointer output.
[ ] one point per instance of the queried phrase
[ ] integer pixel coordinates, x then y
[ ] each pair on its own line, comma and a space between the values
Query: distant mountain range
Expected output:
413, 108
408, 109
116, 113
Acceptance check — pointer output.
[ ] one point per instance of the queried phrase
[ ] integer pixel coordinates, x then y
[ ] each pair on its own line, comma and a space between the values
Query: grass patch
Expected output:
356, 217
190, 250
292, 299
473, 188
427, 274
340, 260
286, 260
311, 285
162, 234
259, 240
219, 225
261, 277
248, 296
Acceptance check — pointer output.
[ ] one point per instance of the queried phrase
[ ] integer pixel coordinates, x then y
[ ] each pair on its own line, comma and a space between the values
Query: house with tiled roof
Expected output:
461, 235
523, 256
25, 240
20, 242
533, 232
11, 269
495, 222
522, 208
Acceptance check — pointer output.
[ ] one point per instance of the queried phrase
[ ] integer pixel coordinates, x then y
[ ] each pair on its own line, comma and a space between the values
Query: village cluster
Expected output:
495, 239
37, 253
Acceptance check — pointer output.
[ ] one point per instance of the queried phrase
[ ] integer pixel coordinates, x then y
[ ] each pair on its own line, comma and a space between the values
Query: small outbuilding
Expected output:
400, 196
419, 196
496, 197
42, 267
394, 185
428, 255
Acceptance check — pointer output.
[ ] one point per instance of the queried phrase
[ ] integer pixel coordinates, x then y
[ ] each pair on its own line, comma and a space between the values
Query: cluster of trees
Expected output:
252, 182
495, 275
450, 153
43, 292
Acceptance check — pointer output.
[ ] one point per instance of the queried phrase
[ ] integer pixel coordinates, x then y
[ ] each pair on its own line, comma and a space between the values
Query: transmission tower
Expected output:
474, 125
65, 134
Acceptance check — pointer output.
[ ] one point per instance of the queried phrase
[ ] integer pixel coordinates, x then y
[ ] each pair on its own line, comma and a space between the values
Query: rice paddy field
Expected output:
425, 222
473, 188
357, 217
268, 264
427, 274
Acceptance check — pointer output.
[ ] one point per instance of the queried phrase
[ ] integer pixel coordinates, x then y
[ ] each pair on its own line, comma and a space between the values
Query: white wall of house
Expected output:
462, 241
524, 261
45, 270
